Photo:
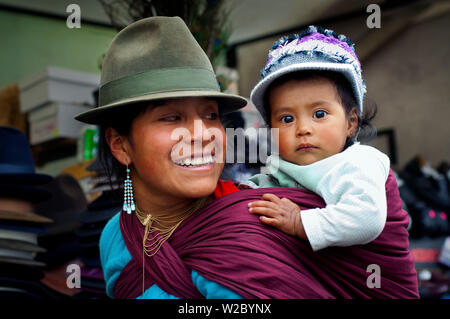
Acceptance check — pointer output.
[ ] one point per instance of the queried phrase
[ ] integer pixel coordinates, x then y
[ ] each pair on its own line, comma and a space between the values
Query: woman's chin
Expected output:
199, 181
199, 187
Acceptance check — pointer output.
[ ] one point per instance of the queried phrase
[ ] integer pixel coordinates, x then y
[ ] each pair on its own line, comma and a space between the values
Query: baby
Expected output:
312, 91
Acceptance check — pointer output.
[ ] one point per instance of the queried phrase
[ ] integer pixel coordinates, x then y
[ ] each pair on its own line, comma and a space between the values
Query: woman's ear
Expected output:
118, 146
352, 123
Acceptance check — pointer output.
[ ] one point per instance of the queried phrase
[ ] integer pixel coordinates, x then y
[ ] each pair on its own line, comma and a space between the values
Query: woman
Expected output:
158, 97
182, 232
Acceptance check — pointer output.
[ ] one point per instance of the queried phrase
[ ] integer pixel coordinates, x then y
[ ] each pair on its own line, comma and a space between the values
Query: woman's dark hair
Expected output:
367, 130
122, 122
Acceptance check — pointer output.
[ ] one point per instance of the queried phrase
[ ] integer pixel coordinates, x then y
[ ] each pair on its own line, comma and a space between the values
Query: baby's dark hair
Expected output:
367, 130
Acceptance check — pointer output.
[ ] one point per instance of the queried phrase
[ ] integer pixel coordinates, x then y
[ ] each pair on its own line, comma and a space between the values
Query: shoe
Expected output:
423, 221
433, 284
427, 183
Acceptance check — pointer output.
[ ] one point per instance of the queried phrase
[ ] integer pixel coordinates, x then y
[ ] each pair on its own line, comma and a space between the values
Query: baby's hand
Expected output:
280, 213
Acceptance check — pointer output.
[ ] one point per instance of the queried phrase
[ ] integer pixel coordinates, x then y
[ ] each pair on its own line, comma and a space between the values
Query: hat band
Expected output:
15, 169
158, 81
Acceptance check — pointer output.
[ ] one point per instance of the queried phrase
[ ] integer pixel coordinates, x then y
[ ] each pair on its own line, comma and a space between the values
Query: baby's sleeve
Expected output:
356, 209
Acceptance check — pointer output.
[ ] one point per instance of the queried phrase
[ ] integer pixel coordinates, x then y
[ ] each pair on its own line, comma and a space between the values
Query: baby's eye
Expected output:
287, 119
319, 114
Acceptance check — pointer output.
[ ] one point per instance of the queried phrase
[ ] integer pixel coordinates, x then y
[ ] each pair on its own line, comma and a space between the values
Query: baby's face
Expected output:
311, 120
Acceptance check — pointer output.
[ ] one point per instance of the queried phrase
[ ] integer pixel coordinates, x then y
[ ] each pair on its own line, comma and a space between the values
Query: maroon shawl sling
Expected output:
225, 243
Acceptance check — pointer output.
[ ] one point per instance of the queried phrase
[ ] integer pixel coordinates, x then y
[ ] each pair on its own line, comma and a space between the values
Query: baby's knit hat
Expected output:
312, 49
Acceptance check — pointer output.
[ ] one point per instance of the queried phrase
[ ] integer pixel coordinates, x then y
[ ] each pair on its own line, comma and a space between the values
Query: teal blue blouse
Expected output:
114, 256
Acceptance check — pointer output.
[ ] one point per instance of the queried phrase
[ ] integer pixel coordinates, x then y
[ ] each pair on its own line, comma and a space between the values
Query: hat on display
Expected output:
30, 193
23, 228
21, 261
55, 278
153, 59
18, 178
16, 159
66, 205
312, 49
23, 216
101, 209
20, 245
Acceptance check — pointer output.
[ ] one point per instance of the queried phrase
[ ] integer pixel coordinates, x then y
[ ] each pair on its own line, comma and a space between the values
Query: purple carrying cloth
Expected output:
225, 243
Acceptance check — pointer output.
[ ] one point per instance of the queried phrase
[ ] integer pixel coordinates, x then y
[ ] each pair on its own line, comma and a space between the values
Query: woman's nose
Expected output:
197, 130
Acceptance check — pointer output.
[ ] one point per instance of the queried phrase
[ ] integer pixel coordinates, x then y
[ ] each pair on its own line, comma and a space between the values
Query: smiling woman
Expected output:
161, 133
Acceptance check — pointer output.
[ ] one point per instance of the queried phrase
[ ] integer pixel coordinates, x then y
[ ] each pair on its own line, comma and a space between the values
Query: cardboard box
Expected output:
56, 84
55, 120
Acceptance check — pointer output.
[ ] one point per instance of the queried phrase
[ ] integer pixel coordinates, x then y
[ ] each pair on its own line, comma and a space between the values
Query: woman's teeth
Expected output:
196, 161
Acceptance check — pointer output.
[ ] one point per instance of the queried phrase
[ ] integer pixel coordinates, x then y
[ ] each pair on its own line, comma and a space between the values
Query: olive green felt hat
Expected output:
153, 59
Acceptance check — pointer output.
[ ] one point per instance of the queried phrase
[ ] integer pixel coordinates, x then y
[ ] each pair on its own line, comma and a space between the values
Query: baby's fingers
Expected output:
262, 203
271, 197
263, 211
269, 221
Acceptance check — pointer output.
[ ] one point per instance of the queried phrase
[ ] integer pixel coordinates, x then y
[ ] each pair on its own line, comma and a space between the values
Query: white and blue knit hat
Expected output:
313, 49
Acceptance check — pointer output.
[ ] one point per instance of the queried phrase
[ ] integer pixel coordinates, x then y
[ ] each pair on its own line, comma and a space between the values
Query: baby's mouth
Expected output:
305, 147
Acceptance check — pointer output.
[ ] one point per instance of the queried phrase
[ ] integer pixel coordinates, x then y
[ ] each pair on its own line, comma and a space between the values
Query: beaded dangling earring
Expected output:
128, 203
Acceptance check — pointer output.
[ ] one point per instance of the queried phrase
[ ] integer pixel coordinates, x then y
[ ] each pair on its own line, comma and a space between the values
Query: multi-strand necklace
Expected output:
159, 229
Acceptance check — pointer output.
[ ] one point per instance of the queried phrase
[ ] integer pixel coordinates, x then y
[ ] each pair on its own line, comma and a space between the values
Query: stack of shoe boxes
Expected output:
52, 98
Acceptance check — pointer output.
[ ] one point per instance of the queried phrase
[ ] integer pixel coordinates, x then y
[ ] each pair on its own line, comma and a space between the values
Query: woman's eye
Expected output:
320, 114
212, 116
171, 118
287, 119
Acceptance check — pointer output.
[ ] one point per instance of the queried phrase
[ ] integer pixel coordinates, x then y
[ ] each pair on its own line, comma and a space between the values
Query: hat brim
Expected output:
22, 261
103, 114
20, 245
94, 216
24, 216
26, 229
29, 193
259, 91
26, 179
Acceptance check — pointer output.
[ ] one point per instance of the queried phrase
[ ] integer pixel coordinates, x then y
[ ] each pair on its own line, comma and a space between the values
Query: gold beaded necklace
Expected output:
162, 227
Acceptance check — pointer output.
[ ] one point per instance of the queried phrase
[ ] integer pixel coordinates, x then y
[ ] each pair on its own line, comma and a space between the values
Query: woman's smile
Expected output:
196, 162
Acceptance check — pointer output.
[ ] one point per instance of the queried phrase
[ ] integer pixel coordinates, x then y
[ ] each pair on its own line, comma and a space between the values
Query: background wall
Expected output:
409, 79
30, 43
407, 76
407, 73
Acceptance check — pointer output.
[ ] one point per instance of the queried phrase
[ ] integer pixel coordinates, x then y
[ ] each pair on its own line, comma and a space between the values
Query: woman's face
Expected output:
176, 150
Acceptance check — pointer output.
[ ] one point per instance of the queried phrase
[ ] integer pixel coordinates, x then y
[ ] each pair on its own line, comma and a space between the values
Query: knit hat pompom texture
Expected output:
312, 49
